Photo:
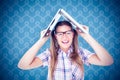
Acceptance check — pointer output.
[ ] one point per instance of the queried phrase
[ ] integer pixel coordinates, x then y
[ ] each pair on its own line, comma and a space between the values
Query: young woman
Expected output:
64, 58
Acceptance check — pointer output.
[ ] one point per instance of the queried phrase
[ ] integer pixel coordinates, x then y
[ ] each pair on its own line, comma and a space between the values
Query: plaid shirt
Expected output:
65, 70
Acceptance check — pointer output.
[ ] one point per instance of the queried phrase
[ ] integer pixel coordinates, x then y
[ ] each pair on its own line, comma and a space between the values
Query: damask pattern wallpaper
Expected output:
22, 20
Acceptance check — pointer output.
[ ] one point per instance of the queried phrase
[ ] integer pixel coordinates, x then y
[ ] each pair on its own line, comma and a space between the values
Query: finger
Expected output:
79, 30
47, 33
42, 32
85, 27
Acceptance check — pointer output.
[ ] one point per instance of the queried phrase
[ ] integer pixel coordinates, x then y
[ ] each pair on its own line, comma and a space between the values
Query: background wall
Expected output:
22, 20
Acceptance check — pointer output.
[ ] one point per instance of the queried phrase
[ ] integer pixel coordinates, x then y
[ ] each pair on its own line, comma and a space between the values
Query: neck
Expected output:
64, 49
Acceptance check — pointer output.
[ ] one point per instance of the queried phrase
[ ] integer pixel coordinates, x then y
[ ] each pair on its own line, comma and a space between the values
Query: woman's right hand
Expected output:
46, 36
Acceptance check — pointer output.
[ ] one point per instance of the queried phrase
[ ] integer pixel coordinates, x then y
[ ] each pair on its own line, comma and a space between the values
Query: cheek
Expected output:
71, 37
58, 40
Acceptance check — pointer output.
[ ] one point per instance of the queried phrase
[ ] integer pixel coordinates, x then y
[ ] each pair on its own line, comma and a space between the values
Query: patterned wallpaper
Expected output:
22, 20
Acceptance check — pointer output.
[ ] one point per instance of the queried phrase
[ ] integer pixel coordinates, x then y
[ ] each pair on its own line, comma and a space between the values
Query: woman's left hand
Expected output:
81, 33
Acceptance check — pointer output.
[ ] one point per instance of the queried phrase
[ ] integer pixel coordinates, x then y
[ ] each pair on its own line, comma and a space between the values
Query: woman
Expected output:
64, 58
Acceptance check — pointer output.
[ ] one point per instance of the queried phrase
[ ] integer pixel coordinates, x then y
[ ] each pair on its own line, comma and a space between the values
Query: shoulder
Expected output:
83, 51
85, 55
45, 53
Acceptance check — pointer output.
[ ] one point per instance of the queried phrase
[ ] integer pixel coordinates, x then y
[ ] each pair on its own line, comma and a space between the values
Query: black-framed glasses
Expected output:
68, 33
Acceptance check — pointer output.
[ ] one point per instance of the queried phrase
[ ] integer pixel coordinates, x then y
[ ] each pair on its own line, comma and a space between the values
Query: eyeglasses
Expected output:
68, 33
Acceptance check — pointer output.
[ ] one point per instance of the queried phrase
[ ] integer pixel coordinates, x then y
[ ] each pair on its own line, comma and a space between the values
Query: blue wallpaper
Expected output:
22, 20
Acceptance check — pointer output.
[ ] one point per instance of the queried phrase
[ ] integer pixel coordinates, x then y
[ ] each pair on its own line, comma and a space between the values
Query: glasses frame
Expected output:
68, 33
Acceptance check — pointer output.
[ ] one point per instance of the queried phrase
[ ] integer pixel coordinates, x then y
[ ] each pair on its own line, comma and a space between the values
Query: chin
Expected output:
65, 46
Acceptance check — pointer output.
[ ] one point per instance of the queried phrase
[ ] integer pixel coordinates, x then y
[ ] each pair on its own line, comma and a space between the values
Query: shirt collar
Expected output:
70, 50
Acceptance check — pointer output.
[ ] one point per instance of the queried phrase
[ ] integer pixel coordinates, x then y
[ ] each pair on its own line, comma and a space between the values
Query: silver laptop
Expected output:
57, 16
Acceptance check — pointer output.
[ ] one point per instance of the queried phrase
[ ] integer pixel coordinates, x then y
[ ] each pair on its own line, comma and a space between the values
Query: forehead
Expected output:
63, 28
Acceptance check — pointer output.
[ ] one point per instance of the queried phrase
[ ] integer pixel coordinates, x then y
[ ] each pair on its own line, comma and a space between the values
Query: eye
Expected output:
68, 32
59, 34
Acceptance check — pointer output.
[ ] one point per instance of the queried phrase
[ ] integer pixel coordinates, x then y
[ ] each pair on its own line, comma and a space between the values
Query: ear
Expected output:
55, 36
74, 31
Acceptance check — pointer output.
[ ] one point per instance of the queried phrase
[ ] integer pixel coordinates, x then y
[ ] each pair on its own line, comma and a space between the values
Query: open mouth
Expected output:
65, 42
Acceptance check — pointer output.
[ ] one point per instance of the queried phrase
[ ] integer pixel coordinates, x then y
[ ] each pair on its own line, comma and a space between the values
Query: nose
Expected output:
65, 36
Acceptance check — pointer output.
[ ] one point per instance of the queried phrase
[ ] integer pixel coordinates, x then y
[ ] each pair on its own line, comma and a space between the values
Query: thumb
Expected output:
45, 33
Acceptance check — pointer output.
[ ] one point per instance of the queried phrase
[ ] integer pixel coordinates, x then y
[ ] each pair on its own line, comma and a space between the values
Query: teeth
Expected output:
65, 42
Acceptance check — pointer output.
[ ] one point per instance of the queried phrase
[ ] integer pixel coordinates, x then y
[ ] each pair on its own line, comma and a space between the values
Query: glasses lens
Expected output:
69, 32
60, 34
